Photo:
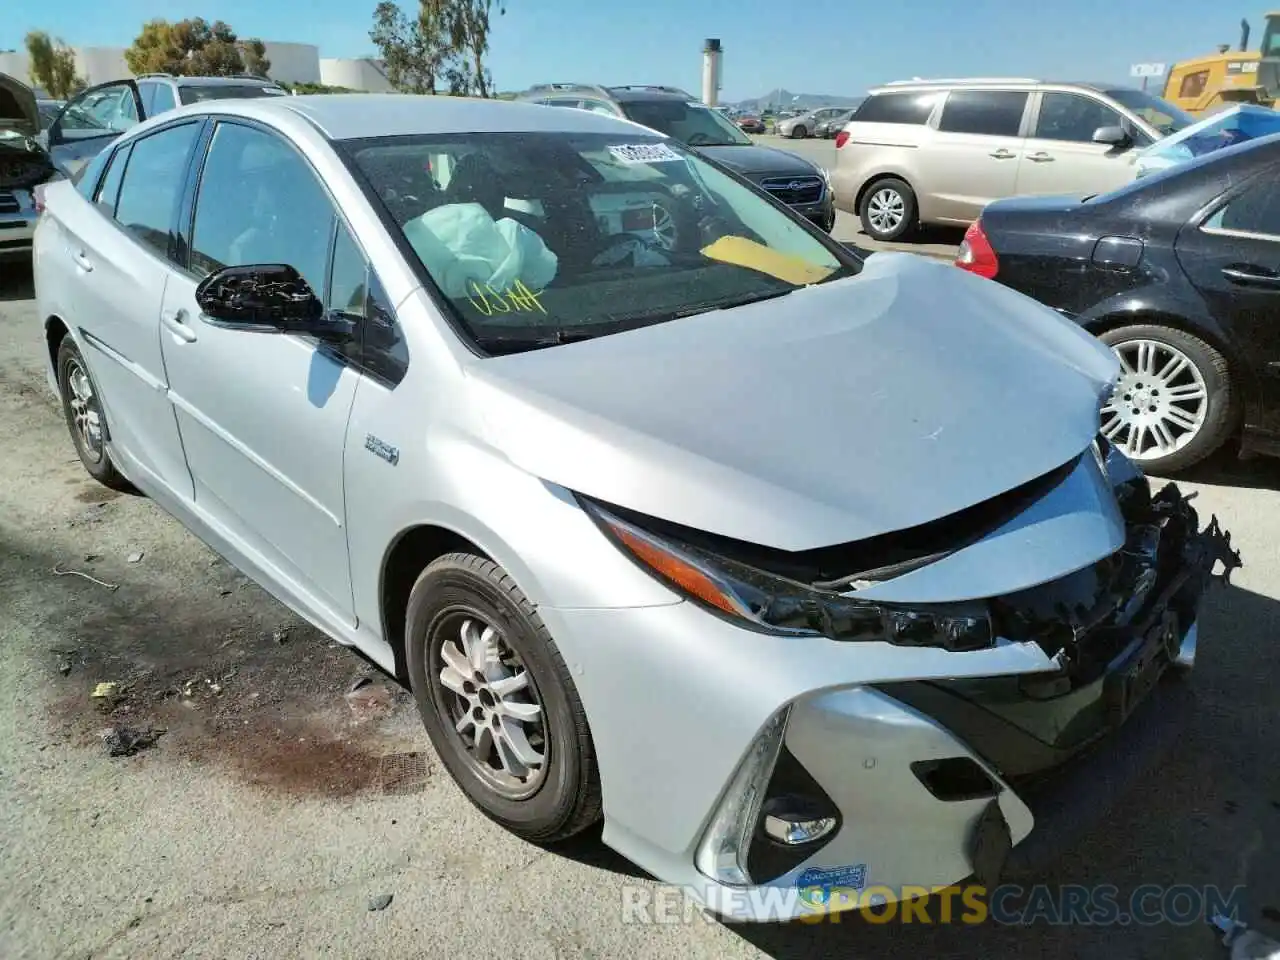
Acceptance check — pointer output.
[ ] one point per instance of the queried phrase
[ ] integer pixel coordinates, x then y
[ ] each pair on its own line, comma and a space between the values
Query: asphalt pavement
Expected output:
290, 790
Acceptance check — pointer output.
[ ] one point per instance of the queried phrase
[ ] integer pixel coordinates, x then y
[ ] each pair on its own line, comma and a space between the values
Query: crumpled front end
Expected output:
884, 790
911, 746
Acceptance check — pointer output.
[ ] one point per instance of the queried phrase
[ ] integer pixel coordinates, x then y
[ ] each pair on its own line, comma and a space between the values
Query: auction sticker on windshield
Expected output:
644, 153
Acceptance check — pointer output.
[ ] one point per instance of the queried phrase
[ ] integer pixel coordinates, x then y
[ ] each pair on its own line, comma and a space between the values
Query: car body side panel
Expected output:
113, 291
1046, 248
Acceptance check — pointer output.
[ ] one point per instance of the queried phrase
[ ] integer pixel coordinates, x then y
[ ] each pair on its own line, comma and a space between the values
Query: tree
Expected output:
445, 44
195, 48
53, 65
471, 40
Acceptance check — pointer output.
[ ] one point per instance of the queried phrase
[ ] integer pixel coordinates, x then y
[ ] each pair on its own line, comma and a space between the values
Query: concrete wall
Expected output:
293, 62
362, 73
101, 64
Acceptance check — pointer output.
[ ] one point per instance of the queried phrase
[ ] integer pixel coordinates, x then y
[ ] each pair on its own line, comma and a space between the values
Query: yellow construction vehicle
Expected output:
1223, 79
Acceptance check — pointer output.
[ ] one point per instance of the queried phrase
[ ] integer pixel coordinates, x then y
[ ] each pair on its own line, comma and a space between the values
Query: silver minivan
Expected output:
938, 151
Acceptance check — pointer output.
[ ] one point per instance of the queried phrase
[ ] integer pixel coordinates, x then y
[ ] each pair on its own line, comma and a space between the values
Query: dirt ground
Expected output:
287, 783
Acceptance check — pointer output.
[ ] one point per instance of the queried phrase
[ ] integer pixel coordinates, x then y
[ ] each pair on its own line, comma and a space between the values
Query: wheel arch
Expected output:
412, 551
880, 177
55, 331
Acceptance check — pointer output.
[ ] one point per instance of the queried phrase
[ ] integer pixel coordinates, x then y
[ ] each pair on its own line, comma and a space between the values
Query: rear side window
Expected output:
110, 190
913, 108
1255, 210
164, 99
152, 184
992, 113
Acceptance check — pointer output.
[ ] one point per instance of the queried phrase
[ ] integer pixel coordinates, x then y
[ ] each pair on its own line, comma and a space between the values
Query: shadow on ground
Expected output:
16, 282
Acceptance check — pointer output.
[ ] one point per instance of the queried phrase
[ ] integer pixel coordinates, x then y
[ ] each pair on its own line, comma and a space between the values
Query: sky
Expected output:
830, 47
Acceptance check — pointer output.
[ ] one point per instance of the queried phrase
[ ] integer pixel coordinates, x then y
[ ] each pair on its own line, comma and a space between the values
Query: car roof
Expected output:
907, 86
347, 116
242, 80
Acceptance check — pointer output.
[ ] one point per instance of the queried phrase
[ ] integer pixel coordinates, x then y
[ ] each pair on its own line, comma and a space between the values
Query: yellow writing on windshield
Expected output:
517, 298
756, 256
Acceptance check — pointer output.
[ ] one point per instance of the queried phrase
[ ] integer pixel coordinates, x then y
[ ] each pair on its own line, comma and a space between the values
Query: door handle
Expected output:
1003, 154
176, 323
1040, 157
1251, 277
82, 261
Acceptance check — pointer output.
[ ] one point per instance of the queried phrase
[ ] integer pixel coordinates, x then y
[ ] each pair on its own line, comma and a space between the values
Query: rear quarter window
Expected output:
909, 108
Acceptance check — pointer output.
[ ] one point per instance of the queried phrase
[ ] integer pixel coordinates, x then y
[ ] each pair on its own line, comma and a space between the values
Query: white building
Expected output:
362, 73
290, 63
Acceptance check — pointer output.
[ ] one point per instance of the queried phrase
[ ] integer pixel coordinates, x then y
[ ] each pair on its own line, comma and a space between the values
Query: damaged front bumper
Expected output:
924, 783
794, 766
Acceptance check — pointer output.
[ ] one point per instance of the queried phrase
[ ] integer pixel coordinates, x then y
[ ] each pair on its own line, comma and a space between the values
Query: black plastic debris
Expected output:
125, 741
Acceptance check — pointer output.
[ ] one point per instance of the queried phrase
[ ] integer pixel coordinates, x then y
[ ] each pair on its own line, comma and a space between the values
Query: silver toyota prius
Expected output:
804, 572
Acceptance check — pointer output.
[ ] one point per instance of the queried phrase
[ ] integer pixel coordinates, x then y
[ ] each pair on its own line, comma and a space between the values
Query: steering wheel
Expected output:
698, 137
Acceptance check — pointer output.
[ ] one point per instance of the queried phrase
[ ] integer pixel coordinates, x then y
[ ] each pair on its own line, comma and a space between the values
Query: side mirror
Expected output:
270, 297
1112, 136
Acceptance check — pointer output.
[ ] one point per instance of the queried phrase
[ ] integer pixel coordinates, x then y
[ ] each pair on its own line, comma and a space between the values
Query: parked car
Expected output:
1179, 273
409, 363
48, 110
937, 152
24, 164
43, 142
750, 124
806, 124
801, 184
828, 129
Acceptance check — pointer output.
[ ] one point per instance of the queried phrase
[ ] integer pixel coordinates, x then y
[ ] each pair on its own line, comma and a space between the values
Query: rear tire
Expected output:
1176, 387
498, 700
888, 210
82, 409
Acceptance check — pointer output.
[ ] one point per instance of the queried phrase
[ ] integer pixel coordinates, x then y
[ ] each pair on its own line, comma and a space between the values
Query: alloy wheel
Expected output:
86, 415
886, 210
488, 698
1160, 401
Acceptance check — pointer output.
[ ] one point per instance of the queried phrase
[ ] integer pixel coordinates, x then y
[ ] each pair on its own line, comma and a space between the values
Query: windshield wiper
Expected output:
535, 339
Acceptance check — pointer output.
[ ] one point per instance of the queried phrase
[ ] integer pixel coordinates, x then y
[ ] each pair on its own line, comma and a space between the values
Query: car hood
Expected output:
756, 160
835, 413
18, 111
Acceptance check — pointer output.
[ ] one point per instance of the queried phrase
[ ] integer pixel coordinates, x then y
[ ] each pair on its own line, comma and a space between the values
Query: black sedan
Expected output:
1179, 273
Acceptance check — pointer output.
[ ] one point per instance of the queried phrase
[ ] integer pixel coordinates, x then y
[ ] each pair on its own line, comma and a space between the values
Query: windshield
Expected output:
1161, 114
226, 91
693, 123
538, 239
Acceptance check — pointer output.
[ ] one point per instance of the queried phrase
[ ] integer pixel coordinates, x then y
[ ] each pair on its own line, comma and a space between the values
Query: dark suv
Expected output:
795, 181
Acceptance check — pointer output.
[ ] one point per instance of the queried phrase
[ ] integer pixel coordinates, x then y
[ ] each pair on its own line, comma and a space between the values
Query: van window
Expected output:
992, 113
897, 108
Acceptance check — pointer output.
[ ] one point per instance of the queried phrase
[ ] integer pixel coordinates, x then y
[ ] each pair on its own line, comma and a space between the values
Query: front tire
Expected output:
1174, 404
888, 210
82, 409
799, 132
498, 700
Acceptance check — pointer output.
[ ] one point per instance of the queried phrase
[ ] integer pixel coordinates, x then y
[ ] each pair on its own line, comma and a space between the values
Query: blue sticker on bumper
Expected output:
819, 884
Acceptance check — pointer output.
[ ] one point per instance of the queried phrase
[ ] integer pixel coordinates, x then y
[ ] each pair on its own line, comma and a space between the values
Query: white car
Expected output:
672, 513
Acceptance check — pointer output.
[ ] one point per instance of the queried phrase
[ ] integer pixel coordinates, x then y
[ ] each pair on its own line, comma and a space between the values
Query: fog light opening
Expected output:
723, 851
795, 821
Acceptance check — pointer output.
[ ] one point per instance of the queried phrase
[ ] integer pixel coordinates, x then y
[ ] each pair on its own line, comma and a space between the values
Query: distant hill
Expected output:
781, 99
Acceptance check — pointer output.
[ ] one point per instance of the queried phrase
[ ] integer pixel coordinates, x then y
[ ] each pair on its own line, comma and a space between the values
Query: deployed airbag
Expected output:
461, 245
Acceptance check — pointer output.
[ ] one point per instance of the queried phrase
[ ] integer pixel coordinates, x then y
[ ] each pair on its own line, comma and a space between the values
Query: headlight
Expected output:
765, 601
